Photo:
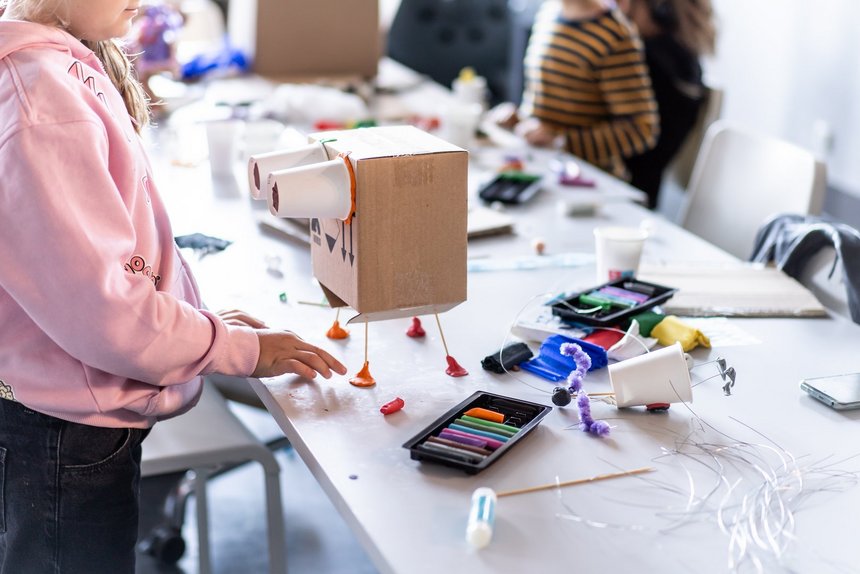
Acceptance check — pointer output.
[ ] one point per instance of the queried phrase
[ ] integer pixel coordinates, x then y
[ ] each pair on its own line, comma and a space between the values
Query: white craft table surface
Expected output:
411, 516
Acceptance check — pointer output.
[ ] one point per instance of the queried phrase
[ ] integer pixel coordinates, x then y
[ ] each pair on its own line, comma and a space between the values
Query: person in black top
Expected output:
676, 33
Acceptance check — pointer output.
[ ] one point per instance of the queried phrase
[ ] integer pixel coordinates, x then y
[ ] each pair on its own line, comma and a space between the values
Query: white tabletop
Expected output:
411, 516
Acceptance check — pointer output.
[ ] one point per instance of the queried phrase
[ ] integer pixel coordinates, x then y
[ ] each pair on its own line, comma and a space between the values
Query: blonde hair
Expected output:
110, 52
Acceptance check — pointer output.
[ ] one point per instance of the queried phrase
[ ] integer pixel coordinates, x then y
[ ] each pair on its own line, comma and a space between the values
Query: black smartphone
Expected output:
510, 187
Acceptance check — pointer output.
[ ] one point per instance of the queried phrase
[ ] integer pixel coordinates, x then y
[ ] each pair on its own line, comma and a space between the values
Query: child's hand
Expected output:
240, 318
285, 352
504, 115
536, 133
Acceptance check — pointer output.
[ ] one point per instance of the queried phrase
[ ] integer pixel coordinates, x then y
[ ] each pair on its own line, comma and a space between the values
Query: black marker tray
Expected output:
610, 317
521, 414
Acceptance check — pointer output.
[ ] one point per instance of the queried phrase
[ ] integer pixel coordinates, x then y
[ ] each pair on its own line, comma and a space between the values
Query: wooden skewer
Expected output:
366, 327
444, 344
575, 482
601, 394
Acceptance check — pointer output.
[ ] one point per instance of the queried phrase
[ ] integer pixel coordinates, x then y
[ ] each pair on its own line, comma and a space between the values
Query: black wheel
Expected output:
165, 544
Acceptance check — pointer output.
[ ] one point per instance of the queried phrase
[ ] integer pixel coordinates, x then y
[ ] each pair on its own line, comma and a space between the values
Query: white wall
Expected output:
791, 68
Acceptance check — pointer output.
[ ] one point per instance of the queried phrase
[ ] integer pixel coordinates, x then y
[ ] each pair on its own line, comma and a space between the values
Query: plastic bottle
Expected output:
479, 530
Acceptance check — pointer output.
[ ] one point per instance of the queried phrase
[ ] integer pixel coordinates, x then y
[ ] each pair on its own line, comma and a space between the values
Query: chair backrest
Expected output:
741, 178
439, 39
680, 168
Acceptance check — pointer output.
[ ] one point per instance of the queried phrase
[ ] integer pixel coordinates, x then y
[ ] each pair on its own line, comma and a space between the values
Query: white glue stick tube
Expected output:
479, 529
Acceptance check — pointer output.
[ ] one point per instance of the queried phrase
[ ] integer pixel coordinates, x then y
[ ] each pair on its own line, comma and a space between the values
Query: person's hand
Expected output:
536, 133
285, 352
240, 318
504, 115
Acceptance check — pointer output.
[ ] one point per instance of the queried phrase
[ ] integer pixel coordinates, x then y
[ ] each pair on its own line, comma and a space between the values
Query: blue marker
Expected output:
479, 530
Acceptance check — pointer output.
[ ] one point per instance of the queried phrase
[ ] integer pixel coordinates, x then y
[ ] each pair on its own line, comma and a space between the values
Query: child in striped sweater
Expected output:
587, 84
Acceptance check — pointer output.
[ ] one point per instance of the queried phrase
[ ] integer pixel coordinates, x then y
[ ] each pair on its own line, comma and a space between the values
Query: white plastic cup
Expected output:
260, 136
223, 137
459, 122
618, 251
657, 377
261, 165
321, 190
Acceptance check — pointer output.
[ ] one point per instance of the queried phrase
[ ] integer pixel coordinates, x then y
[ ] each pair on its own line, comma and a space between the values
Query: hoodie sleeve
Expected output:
65, 236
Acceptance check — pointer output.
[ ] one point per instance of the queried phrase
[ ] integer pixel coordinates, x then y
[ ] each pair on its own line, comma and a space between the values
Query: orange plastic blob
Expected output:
363, 378
337, 332
454, 368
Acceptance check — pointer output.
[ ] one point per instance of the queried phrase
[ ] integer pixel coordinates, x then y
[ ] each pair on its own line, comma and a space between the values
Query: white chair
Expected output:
741, 178
204, 440
680, 169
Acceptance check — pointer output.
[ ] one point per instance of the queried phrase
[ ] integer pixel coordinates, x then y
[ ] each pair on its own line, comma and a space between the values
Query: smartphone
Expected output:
511, 187
841, 392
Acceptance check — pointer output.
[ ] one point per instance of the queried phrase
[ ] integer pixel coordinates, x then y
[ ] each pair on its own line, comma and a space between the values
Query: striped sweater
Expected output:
588, 80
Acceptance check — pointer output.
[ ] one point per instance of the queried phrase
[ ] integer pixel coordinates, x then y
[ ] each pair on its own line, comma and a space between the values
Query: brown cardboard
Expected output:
404, 252
307, 38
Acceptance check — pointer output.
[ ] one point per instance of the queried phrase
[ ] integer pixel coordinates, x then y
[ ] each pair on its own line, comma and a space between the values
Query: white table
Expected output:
411, 517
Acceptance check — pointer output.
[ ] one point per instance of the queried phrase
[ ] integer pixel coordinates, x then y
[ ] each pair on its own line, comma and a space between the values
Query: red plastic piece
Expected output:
416, 330
328, 125
657, 407
603, 338
363, 378
337, 332
392, 407
454, 368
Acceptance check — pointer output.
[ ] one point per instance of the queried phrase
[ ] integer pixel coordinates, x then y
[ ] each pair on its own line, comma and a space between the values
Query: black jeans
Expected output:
68, 495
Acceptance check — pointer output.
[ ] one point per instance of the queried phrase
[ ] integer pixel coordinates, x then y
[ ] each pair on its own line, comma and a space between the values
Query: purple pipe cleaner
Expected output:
583, 363
587, 423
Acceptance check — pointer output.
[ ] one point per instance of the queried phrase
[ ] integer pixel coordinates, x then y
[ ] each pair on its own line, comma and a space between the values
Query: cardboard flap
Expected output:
401, 313
383, 142
332, 299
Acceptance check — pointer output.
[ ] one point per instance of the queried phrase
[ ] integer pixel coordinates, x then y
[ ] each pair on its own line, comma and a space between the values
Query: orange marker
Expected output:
486, 414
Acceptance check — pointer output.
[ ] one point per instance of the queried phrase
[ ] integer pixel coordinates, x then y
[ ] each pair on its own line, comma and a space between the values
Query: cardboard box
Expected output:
307, 38
404, 252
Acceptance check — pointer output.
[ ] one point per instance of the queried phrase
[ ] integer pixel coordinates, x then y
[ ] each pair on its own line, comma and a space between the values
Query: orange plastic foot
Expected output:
454, 368
337, 332
363, 378
416, 330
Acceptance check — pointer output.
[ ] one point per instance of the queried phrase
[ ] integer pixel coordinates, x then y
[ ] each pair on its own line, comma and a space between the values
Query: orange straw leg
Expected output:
363, 378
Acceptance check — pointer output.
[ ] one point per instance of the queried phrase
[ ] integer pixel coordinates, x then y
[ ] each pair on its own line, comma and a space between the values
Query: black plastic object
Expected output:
577, 309
507, 358
521, 414
511, 187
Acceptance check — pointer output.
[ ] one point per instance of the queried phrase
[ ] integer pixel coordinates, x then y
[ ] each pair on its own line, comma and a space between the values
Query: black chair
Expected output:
439, 38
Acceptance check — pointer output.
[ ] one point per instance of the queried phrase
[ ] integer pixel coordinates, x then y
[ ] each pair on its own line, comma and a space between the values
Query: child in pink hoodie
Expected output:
102, 328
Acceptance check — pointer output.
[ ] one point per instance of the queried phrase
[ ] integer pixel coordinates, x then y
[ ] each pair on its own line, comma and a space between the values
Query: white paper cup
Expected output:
223, 137
459, 122
657, 377
261, 165
321, 190
260, 136
618, 251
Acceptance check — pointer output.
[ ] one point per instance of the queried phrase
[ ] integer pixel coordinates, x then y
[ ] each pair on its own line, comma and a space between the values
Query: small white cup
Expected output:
223, 137
459, 123
657, 377
618, 251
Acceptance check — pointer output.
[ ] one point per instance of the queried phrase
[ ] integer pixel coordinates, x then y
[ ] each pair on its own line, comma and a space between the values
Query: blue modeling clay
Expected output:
552, 365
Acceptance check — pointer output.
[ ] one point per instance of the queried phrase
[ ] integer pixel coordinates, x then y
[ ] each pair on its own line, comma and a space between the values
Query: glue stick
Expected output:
479, 530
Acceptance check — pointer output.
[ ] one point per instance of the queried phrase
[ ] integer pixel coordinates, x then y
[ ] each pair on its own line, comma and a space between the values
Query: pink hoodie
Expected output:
99, 314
